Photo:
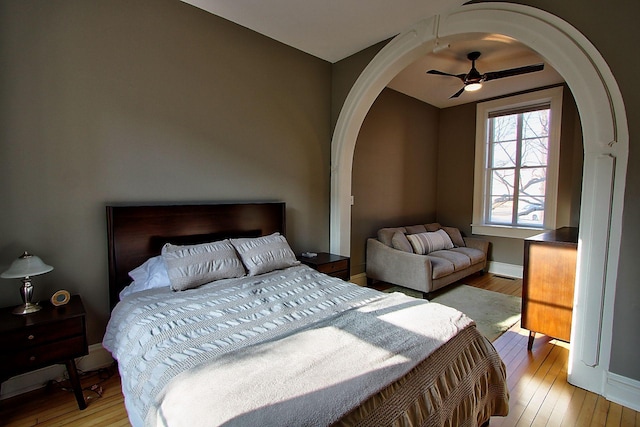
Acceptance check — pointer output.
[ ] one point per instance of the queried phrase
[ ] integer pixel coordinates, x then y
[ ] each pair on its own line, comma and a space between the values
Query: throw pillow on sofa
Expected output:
400, 242
423, 243
456, 236
433, 226
416, 229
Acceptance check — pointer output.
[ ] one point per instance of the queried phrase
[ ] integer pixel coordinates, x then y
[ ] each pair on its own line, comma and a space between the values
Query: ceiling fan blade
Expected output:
457, 94
442, 73
492, 75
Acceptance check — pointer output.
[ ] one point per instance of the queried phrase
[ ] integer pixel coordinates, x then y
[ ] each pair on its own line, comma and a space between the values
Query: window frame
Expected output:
553, 97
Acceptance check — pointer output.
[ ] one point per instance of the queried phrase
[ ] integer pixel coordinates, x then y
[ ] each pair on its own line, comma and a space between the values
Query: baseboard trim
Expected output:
359, 279
504, 269
622, 390
97, 358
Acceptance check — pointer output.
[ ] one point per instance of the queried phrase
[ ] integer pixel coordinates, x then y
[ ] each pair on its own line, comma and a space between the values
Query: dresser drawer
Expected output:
333, 267
44, 355
44, 333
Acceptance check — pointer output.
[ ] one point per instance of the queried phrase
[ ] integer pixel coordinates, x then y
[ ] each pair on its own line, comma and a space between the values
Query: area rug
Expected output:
493, 312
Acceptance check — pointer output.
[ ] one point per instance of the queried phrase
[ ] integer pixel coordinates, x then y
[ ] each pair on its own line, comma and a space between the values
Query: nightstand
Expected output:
333, 265
47, 337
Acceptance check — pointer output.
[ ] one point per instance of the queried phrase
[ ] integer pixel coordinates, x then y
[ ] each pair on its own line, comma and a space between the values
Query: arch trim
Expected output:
605, 136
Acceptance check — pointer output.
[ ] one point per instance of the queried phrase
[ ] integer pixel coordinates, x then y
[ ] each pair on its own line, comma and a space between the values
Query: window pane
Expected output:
531, 211
501, 213
501, 194
535, 152
503, 154
533, 182
504, 128
535, 124
502, 181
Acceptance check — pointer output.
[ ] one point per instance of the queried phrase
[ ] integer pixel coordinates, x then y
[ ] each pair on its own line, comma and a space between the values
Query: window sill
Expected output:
505, 231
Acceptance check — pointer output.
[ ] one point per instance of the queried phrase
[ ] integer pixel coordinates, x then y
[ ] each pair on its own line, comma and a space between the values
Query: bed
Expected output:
270, 341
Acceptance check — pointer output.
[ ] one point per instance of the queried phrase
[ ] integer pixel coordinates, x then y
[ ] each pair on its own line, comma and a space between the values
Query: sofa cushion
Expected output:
440, 267
455, 236
415, 229
475, 255
386, 234
424, 243
434, 226
459, 260
399, 241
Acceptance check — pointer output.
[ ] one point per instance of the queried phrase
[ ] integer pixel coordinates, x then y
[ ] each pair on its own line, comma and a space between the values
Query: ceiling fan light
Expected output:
472, 87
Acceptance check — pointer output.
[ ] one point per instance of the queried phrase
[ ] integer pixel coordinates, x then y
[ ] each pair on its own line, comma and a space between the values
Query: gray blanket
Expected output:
293, 347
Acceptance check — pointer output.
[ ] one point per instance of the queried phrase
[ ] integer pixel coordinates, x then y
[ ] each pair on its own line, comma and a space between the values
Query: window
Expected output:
518, 152
517, 149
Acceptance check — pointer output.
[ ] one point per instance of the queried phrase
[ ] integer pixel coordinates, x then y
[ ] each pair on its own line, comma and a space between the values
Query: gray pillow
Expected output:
194, 265
386, 234
433, 226
456, 236
415, 229
399, 241
264, 254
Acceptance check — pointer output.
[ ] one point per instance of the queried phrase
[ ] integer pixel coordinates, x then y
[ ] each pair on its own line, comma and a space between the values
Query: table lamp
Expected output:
24, 267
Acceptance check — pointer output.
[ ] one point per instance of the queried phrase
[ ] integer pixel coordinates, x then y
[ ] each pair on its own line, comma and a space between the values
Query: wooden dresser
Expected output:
548, 283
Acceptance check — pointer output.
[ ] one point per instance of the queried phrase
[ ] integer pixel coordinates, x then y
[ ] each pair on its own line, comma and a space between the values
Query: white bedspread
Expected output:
293, 347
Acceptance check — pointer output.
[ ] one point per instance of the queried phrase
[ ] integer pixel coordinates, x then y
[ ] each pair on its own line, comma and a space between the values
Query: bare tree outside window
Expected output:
517, 163
518, 155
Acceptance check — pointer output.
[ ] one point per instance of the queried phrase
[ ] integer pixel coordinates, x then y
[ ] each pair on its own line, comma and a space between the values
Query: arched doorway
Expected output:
605, 135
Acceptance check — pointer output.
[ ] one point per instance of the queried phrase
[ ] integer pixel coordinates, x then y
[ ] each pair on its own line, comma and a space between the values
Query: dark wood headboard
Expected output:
138, 232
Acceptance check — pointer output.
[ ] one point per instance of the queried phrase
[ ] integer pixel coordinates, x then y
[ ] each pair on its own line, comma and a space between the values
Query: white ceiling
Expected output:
497, 53
328, 29
334, 29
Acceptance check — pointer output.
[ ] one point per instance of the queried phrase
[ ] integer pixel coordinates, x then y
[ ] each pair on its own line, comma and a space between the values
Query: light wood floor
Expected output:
539, 392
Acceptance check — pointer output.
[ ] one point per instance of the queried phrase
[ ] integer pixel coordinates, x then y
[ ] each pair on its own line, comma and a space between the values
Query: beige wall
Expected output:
394, 169
147, 100
345, 73
456, 138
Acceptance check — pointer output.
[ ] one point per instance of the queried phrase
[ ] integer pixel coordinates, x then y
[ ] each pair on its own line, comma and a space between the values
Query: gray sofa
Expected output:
439, 261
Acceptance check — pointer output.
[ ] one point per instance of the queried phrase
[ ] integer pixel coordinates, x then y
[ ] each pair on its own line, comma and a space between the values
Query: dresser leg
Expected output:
75, 383
532, 336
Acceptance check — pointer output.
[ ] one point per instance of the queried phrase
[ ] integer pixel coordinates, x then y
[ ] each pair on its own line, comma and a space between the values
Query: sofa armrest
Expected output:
480, 244
400, 268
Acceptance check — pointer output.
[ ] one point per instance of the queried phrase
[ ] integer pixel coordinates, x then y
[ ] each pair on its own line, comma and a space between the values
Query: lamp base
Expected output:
26, 308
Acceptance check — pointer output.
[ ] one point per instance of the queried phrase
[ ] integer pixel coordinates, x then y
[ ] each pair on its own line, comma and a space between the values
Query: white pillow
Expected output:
151, 274
264, 254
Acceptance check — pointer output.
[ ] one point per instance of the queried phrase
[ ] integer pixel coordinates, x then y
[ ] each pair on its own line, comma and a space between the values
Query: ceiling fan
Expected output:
473, 79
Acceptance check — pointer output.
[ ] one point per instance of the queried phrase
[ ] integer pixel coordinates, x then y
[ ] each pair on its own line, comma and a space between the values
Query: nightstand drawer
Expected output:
44, 355
44, 333
333, 266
